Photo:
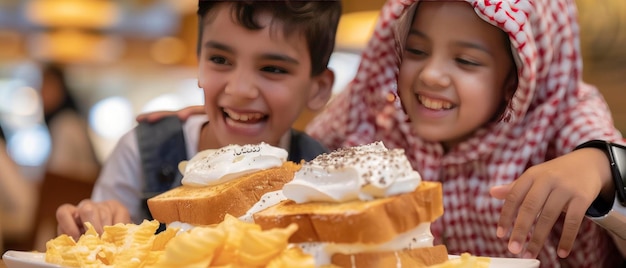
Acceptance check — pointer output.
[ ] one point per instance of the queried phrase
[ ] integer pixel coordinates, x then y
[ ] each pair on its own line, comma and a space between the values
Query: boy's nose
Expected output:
435, 74
241, 83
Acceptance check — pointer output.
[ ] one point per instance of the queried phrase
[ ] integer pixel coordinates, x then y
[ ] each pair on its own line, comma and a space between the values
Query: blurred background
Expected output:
79, 71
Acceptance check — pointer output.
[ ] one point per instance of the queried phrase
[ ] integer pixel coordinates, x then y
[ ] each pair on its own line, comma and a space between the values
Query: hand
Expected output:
183, 114
566, 184
71, 218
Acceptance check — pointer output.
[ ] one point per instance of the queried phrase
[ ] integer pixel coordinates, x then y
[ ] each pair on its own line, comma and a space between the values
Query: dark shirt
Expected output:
162, 147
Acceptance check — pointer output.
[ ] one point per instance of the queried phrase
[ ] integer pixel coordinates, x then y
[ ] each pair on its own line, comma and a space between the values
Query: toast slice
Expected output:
417, 257
208, 205
375, 221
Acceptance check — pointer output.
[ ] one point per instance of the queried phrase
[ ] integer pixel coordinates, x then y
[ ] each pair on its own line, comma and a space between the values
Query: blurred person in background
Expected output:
17, 199
69, 171
72, 153
72, 163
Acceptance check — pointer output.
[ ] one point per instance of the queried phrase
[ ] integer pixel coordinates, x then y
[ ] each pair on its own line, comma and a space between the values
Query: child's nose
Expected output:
241, 83
435, 74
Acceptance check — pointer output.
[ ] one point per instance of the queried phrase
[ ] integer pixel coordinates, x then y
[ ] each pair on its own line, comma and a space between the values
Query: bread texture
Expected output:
374, 221
208, 205
417, 257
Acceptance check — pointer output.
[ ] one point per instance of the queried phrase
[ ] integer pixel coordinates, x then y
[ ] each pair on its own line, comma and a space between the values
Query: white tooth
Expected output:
434, 104
244, 117
233, 116
437, 105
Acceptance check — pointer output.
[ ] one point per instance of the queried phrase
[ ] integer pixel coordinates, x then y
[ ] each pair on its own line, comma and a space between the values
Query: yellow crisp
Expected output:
292, 257
121, 245
232, 243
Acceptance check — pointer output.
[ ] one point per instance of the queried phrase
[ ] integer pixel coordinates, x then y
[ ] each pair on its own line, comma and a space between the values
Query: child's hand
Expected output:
71, 218
183, 114
566, 184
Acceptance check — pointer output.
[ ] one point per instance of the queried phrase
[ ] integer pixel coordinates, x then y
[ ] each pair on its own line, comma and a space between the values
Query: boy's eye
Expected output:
218, 60
274, 69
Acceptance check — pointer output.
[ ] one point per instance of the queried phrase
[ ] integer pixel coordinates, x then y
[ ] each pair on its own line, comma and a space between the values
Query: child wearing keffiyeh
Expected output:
487, 97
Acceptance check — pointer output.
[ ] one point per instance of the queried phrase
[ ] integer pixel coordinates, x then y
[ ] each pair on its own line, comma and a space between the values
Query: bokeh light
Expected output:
111, 117
30, 146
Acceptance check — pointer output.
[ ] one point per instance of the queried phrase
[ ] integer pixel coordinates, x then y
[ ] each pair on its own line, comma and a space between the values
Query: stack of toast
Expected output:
374, 231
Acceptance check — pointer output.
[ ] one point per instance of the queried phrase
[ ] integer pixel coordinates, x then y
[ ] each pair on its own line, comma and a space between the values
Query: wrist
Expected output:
614, 175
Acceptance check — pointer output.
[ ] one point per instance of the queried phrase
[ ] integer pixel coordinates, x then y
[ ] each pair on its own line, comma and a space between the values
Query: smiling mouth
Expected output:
246, 118
435, 104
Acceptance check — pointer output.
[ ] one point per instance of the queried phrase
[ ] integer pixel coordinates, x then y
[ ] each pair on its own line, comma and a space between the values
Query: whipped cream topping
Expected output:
214, 167
363, 172
267, 200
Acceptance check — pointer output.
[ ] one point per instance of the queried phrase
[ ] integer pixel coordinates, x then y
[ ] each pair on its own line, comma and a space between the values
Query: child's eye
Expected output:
274, 69
467, 62
416, 52
218, 60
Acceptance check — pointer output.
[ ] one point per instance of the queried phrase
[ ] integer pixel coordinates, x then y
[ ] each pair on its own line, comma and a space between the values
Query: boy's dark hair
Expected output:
316, 20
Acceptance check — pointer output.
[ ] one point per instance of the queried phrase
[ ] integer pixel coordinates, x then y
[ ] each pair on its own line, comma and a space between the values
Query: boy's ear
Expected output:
321, 90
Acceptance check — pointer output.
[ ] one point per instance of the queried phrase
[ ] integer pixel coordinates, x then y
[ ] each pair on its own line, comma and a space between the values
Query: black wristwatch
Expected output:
616, 154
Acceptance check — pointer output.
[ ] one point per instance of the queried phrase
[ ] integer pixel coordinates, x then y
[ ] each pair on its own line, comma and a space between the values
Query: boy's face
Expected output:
454, 70
255, 83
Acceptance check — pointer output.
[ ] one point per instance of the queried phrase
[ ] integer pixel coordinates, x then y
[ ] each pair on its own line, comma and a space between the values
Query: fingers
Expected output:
500, 191
573, 220
527, 214
91, 212
185, 113
152, 117
120, 213
550, 212
71, 218
512, 202
67, 222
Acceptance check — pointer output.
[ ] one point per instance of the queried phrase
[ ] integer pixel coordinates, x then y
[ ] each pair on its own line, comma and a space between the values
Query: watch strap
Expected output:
616, 155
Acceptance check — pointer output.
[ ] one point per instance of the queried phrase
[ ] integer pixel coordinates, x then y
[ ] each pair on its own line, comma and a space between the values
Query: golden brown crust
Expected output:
209, 205
419, 257
375, 221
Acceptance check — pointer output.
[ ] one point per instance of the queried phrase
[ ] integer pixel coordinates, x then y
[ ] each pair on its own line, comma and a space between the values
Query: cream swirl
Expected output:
363, 172
214, 167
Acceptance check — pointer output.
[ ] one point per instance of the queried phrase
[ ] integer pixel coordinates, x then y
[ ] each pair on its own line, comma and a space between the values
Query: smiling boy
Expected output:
260, 64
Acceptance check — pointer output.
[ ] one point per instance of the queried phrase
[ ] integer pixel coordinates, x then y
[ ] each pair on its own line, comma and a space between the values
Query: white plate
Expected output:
26, 259
507, 262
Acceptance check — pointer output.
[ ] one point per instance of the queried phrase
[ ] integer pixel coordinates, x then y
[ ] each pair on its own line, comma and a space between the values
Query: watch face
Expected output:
618, 166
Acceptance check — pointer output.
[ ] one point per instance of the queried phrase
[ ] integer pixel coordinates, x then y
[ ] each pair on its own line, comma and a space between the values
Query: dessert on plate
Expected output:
229, 180
363, 206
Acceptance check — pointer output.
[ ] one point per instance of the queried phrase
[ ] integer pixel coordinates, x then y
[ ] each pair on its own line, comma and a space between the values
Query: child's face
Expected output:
454, 69
255, 83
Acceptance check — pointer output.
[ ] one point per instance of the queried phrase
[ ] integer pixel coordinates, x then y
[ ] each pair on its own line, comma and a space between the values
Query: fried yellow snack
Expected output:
263, 246
195, 248
234, 243
121, 245
55, 247
231, 243
235, 231
135, 244
163, 237
292, 257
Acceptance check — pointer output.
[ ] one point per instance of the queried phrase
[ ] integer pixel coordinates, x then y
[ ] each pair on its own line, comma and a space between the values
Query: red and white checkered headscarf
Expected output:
551, 112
